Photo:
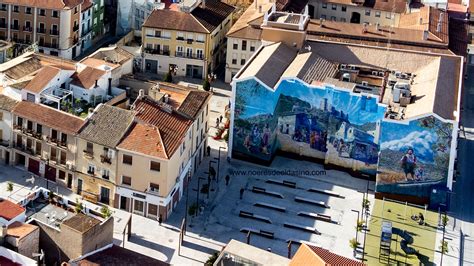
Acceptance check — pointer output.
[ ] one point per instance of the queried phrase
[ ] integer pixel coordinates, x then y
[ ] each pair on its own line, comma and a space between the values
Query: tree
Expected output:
51, 196
105, 211
360, 225
445, 220
353, 243
168, 77
206, 85
444, 246
210, 261
366, 205
10, 187
79, 207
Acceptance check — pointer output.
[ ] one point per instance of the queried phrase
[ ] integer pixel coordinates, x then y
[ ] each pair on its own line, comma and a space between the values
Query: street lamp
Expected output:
366, 218
357, 224
218, 163
209, 177
198, 192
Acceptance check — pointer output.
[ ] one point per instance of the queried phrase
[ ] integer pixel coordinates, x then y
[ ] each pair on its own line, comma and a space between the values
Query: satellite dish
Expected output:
31, 180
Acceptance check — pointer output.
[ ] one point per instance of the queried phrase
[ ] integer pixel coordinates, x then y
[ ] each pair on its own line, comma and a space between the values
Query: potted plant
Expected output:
79, 207
10, 187
206, 85
105, 211
353, 244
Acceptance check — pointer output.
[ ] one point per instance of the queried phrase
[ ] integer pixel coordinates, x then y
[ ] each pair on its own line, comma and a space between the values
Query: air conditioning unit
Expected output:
374, 73
365, 83
381, 73
343, 66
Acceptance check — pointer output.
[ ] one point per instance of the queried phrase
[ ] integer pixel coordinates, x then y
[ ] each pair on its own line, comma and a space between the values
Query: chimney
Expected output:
438, 27
109, 89
260, 9
141, 93
96, 83
3, 234
425, 35
321, 22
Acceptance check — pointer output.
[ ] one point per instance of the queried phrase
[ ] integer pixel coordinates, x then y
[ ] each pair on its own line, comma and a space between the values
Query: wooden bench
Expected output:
282, 183
251, 215
270, 206
263, 233
264, 191
302, 228
326, 192
317, 216
313, 202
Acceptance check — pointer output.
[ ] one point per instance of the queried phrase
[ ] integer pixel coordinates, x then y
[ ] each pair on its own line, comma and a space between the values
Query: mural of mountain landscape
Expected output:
316, 122
413, 157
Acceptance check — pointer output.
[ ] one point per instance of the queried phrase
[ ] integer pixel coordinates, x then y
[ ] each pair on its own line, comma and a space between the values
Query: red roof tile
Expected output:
145, 139
20, 230
332, 258
48, 116
171, 125
9, 210
48, 4
87, 77
42, 79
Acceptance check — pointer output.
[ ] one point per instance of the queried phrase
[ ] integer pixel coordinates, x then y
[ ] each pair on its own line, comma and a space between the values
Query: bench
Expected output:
282, 183
317, 216
302, 228
251, 215
264, 191
270, 206
263, 233
313, 202
326, 192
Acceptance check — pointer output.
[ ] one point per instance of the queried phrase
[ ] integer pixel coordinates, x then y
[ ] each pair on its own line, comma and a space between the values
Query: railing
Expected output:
37, 135
4, 143
41, 30
88, 154
15, 27
156, 51
19, 146
105, 159
4, 25
85, 32
92, 173
105, 177
54, 32
29, 29
17, 127
189, 55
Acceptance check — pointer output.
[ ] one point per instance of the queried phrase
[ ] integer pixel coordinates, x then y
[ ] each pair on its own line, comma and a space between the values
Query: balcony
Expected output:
37, 136
17, 127
41, 30
156, 51
105, 159
3, 25
91, 172
189, 55
4, 143
85, 32
48, 45
88, 154
62, 161
106, 177
189, 41
28, 29
54, 32
19, 146
153, 190
75, 28
15, 27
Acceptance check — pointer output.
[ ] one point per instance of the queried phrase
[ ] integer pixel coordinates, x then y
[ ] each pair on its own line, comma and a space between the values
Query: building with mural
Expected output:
379, 113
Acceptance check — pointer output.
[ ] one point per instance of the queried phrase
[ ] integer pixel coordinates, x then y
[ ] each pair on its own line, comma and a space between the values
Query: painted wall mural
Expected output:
324, 123
414, 157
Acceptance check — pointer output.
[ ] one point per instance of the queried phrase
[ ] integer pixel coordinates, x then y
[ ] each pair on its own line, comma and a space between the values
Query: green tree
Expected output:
443, 247
105, 211
10, 187
206, 85
79, 207
168, 77
210, 261
445, 220
353, 243
360, 225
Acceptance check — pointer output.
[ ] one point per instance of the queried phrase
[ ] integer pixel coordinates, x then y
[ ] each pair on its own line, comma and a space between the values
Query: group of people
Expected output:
258, 140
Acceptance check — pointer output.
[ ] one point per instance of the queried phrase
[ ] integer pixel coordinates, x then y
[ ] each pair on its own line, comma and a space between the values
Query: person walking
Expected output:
217, 122
220, 119
227, 179
242, 193
160, 220
208, 151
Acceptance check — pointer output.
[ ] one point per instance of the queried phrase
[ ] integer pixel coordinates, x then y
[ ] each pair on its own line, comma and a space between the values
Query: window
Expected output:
127, 159
388, 15
75, 10
154, 187
90, 147
29, 125
180, 36
333, 18
19, 121
154, 166
234, 58
166, 34
55, 14
333, 7
244, 45
62, 175
343, 8
377, 14
235, 46
39, 128
242, 60
1, 118
367, 12
126, 180
42, 12
189, 52
28, 10
325, 5
199, 54
200, 38
183, 148
3, 7
252, 46
105, 174
91, 169
16, 9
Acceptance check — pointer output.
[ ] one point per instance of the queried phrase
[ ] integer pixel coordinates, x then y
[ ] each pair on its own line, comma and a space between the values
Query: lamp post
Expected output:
218, 163
188, 177
366, 218
357, 225
209, 178
198, 192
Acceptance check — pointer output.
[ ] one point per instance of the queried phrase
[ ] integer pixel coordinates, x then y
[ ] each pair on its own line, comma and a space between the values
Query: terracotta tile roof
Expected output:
174, 20
397, 6
107, 125
49, 117
194, 102
7, 103
332, 258
116, 255
171, 125
247, 32
20, 230
114, 54
213, 14
145, 139
81, 222
9, 210
47, 4
87, 77
42, 79
383, 34
95, 63
86, 5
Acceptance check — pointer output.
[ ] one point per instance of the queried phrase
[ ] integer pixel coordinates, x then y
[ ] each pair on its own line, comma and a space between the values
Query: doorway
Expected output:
311, 11
7, 157
123, 203
69, 181
104, 195
79, 186
355, 18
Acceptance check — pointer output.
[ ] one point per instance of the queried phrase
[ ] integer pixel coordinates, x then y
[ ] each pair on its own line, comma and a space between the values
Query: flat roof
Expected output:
252, 254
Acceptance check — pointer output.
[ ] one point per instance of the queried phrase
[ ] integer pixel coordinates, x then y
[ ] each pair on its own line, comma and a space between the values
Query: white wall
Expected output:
16, 257
20, 218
